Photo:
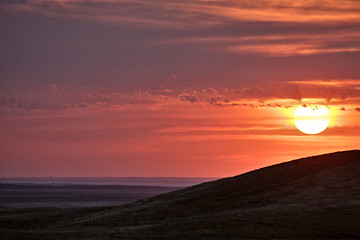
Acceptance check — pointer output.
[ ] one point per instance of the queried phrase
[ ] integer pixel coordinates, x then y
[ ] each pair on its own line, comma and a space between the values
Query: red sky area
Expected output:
173, 88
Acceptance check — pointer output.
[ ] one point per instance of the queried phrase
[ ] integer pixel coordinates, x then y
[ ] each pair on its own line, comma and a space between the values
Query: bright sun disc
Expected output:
311, 119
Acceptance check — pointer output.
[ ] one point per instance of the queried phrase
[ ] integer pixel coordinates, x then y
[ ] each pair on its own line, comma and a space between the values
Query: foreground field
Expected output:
310, 198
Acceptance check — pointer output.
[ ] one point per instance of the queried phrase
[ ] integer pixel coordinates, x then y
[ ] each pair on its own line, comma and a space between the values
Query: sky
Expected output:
192, 88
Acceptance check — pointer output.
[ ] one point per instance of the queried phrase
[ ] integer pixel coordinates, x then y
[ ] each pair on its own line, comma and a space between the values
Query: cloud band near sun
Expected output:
341, 93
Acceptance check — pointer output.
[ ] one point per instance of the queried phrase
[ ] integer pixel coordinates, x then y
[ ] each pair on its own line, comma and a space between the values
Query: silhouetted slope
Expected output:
310, 198
326, 186
253, 189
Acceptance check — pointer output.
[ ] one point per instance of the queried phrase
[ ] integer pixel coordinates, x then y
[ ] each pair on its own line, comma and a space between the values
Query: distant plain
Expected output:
84, 192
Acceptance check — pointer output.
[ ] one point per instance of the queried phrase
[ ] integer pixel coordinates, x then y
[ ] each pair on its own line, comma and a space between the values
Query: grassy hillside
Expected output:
310, 198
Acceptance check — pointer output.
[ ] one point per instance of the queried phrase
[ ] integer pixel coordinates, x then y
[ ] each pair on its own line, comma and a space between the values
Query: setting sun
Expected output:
311, 119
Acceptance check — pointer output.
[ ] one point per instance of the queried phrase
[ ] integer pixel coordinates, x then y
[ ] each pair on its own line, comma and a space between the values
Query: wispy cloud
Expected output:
291, 28
340, 83
200, 13
289, 49
296, 43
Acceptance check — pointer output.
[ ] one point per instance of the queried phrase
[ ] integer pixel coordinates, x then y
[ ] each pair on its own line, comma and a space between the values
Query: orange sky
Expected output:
169, 88
164, 138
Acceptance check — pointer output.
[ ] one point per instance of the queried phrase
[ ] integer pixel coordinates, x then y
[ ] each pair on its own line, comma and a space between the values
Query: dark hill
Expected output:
310, 198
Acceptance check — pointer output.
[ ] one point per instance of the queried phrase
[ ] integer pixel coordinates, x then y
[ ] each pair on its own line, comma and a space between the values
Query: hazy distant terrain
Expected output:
311, 198
84, 192
40, 195
125, 181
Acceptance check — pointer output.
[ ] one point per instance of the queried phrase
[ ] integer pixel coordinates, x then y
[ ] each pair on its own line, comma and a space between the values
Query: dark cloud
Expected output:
83, 105
357, 109
210, 91
58, 100
212, 100
163, 97
36, 105
3, 2
218, 101
188, 98
297, 92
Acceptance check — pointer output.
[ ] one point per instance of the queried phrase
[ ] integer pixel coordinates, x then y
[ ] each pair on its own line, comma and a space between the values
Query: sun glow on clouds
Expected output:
289, 49
337, 83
